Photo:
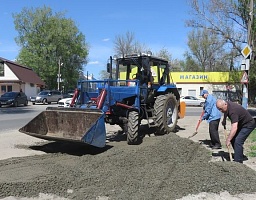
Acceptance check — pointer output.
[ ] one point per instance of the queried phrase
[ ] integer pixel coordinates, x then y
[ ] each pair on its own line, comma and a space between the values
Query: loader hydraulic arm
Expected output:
74, 98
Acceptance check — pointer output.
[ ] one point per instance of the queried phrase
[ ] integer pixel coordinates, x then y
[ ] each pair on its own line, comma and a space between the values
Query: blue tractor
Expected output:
132, 93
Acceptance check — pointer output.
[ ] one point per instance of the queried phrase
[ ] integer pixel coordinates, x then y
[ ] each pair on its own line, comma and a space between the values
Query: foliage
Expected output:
104, 74
248, 18
222, 17
218, 34
252, 144
253, 136
49, 41
206, 49
126, 44
164, 53
233, 22
189, 64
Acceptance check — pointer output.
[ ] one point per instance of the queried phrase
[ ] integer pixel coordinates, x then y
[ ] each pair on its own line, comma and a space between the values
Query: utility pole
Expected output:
59, 75
247, 59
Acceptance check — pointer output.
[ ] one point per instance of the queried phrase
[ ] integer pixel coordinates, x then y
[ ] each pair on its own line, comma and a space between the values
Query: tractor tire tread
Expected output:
160, 115
133, 128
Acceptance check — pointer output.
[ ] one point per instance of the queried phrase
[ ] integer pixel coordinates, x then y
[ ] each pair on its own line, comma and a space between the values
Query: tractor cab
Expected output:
149, 70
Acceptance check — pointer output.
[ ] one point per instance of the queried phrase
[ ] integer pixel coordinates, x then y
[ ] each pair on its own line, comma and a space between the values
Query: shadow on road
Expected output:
16, 110
224, 155
120, 135
71, 148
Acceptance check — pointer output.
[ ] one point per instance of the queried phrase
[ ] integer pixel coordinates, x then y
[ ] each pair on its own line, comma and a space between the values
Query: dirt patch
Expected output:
161, 170
164, 167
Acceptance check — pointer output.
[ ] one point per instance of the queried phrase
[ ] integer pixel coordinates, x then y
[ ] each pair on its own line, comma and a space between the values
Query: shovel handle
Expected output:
202, 114
199, 121
197, 126
225, 133
230, 156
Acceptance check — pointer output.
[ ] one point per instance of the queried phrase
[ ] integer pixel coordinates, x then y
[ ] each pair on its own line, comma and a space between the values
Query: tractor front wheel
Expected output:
165, 113
133, 125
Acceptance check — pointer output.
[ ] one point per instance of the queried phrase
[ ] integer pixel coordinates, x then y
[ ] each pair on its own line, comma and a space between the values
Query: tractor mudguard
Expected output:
182, 110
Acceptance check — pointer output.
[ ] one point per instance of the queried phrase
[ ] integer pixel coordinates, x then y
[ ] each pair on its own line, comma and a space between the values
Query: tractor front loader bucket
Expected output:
69, 124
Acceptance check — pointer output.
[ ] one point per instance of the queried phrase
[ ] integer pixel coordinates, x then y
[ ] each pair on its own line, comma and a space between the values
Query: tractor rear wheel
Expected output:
133, 128
165, 113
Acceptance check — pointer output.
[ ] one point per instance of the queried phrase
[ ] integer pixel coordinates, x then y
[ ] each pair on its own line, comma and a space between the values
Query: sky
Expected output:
156, 23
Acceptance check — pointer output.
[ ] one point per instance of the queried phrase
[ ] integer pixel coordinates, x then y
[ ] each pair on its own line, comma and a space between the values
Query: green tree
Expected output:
105, 75
48, 41
164, 53
175, 64
189, 64
222, 17
207, 51
230, 20
126, 44
247, 14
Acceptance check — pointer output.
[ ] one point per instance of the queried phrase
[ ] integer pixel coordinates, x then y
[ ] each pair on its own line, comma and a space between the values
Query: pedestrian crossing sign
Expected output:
244, 78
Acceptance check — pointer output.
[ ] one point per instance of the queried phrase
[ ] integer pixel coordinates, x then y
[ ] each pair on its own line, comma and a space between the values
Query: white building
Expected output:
15, 77
225, 85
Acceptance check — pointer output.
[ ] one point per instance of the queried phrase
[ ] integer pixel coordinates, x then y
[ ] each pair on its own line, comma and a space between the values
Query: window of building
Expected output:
6, 88
201, 89
3, 88
1, 68
192, 93
9, 88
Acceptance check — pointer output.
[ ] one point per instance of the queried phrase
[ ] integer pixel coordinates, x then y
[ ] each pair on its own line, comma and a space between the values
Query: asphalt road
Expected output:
13, 118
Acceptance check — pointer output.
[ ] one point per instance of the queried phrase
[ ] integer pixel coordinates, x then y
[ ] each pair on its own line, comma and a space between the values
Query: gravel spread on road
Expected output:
164, 167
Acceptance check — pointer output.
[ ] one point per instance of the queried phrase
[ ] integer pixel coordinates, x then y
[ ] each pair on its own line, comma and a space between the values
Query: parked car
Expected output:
68, 94
64, 102
71, 93
47, 96
14, 99
192, 101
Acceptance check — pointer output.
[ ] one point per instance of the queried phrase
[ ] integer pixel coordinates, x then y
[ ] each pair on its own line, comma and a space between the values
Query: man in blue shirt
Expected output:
212, 115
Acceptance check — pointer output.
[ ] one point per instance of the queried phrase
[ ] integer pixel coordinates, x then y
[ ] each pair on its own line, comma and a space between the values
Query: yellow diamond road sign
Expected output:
246, 51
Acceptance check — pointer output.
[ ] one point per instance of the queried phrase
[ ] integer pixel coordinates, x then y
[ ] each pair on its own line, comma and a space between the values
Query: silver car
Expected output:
47, 96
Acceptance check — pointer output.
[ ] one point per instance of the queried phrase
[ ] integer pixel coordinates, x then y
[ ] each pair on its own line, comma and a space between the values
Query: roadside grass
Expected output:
251, 144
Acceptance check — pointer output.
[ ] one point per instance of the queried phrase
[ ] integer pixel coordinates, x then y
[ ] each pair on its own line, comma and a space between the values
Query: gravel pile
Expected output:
165, 167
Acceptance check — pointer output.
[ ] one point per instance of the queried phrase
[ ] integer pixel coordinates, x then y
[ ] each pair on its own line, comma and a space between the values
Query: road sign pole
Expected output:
245, 79
247, 51
245, 96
